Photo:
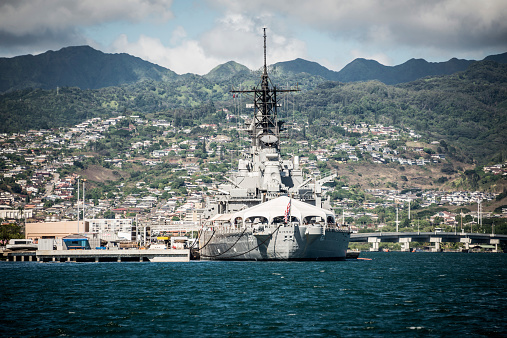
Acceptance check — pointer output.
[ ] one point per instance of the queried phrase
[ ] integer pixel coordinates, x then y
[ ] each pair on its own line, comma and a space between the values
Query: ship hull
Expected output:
275, 244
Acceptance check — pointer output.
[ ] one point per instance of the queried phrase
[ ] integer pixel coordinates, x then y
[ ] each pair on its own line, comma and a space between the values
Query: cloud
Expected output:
186, 57
234, 37
238, 37
330, 32
178, 35
440, 24
25, 23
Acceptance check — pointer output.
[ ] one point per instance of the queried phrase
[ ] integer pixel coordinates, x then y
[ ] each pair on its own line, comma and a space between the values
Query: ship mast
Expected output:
264, 129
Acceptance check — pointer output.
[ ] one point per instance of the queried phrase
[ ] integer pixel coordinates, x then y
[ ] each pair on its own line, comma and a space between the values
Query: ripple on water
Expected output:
395, 293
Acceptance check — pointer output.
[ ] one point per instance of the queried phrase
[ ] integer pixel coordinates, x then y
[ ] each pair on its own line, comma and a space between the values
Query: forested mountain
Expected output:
87, 68
227, 71
80, 66
468, 110
364, 70
299, 66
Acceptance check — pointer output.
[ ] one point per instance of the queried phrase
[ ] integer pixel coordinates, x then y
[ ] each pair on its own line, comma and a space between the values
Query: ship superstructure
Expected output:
262, 174
269, 210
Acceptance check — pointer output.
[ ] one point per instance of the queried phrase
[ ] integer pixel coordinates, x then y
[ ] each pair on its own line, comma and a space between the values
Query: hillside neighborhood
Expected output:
40, 171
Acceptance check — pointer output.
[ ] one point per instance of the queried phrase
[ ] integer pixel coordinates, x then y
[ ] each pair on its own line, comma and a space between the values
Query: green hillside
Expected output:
227, 71
467, 110
80, 66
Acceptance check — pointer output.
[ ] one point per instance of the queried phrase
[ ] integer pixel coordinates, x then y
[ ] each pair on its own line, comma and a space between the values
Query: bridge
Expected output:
469, 239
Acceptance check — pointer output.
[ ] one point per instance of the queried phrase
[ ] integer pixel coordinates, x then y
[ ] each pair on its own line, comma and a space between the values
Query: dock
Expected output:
94, 255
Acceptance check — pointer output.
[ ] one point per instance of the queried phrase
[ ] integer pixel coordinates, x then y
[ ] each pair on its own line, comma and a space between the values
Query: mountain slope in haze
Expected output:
302, 66
87, 68
366, 70
80, 66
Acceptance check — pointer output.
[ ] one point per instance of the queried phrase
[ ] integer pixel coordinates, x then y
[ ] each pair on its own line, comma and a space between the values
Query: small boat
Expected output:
21, 244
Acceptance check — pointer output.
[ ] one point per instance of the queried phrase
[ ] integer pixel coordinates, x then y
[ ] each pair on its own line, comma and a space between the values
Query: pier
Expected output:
130, 255
405, 238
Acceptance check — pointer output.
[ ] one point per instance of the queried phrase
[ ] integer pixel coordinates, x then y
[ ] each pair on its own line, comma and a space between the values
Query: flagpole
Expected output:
290, 209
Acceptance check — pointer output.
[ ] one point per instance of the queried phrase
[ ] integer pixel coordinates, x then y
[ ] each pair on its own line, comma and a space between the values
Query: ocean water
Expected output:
403, 294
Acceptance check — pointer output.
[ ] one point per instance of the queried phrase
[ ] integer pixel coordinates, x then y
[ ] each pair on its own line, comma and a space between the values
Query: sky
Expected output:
194, 36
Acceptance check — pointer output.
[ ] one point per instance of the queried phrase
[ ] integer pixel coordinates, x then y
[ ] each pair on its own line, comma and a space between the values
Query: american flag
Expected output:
287, 212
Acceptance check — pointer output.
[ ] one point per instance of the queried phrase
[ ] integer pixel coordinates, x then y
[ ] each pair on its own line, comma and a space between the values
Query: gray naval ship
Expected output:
269, 209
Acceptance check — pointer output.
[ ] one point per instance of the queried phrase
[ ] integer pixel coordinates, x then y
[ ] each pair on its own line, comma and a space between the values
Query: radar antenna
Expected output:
265, 72
264, 129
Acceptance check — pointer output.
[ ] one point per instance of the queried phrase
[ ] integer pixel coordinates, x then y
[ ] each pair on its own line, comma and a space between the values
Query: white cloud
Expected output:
238, 37
186, 57
234, 37
178, 35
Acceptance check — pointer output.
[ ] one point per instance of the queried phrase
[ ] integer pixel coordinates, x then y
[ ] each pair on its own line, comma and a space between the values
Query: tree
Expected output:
364, 219
109, 214
9, 231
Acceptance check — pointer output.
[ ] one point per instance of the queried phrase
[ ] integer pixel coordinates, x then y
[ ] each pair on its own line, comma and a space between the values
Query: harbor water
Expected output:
403, 294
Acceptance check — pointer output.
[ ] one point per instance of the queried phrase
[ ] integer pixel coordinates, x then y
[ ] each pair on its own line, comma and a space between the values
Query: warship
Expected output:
269, 209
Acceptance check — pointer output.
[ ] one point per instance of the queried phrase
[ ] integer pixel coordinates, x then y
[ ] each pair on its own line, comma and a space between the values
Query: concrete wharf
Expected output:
128, 255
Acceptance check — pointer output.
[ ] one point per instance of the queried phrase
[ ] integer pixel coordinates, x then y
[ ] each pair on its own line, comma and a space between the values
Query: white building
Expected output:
121, 227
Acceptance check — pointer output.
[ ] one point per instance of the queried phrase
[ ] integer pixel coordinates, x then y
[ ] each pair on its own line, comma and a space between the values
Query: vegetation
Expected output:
467, 110
465, 113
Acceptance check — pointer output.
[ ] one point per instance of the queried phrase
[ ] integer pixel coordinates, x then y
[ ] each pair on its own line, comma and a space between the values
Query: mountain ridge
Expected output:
87, 68
77, 66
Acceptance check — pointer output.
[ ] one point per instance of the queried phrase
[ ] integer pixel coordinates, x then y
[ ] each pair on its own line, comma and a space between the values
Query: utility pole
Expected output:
84, 203
481, 212
77, 204
461, 213
397, 222
144, 235
409, 208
